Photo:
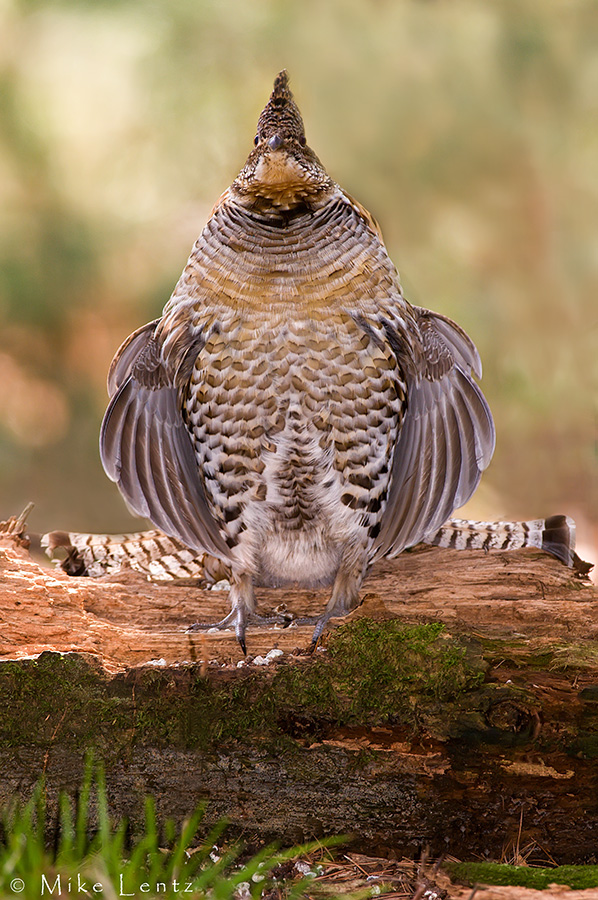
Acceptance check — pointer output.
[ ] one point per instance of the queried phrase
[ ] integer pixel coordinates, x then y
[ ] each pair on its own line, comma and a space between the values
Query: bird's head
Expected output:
281, 172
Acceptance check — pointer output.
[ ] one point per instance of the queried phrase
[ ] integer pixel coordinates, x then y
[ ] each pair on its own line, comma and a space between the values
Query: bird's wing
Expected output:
146, 449
446, 439
126, 355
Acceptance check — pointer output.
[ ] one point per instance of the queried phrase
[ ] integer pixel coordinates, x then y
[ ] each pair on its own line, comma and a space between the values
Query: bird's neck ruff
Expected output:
279, 184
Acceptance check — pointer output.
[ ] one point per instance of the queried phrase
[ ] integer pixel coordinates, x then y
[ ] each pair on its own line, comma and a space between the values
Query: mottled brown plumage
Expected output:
291, 414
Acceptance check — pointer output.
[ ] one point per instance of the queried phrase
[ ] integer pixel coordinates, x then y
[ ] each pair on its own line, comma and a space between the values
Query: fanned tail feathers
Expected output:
162, 558
152, 553
554, 535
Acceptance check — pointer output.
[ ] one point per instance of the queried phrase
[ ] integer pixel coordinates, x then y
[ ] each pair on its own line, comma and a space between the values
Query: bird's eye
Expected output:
256, 140
302, 140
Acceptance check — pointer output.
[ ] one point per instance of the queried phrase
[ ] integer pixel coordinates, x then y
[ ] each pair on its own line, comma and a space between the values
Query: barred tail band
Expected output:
162, 558
554, 535
152, 553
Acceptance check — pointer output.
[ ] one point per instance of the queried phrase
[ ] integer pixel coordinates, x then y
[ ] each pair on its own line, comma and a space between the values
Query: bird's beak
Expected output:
275, 142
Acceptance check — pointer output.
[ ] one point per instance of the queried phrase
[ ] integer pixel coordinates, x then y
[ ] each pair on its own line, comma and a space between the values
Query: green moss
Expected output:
380, 669
556, 656
416, 677
585, 746
581, 656
372, 674
53, 695
579, 877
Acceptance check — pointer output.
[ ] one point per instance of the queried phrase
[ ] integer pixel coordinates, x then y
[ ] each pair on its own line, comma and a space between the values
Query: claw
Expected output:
240, 618
318, 630
241, 625
320, 623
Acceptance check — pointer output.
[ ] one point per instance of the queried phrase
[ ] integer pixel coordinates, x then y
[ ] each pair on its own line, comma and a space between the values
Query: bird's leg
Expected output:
243, 612
345, 593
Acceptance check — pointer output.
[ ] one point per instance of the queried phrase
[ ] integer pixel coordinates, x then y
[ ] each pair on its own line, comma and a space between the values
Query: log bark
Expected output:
495, 744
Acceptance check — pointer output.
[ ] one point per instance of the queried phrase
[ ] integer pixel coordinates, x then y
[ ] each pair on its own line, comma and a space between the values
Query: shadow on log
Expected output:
457, 709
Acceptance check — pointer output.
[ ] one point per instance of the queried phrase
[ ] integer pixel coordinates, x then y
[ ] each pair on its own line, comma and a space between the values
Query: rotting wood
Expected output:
459, 779
127, 620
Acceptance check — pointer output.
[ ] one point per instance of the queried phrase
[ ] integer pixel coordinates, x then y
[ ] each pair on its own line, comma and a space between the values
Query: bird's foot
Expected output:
320, 623
239, 619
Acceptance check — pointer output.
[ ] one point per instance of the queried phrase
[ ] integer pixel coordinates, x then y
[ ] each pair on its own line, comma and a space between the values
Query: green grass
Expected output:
578, 877
80, 853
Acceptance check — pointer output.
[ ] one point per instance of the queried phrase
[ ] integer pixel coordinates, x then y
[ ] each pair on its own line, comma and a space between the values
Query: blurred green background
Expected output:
469, 129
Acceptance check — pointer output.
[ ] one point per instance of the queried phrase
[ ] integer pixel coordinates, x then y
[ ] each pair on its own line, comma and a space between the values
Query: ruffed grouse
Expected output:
291, 414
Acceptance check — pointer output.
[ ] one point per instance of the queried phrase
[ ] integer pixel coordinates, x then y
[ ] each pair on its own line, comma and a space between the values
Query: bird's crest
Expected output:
282, 172
281, 91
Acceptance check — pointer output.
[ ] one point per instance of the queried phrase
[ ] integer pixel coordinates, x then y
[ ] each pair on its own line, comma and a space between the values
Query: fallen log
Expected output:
456, 710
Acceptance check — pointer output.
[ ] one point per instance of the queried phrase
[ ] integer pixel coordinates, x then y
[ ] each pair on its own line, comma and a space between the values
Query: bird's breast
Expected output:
294, 428
293, 407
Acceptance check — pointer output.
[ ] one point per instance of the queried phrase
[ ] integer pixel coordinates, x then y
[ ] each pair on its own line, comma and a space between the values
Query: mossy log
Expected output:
456, 710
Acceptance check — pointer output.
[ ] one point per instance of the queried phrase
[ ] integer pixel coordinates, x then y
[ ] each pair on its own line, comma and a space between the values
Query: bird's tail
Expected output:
152, 553
554, 535
162, 558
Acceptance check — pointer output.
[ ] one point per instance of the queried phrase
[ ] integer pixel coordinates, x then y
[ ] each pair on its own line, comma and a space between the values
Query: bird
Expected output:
291, 416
